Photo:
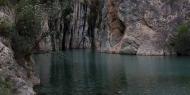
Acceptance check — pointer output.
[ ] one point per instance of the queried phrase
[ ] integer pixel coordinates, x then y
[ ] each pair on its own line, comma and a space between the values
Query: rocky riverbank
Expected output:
14, 76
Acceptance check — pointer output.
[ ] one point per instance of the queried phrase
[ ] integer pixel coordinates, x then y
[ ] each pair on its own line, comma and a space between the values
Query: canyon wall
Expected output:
142, 27
14, 76
74, 24
149, 24
137, 27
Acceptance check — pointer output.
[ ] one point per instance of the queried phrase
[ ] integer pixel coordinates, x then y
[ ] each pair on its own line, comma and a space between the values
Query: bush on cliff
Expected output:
5, 27
5, 87
182, 41
4, 2
27, 28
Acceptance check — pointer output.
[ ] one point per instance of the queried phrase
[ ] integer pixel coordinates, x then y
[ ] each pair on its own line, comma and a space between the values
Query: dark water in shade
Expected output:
82, 72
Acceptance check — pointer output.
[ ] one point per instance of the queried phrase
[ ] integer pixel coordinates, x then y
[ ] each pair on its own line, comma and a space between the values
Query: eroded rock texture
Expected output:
10, 71
142, 27
149, 25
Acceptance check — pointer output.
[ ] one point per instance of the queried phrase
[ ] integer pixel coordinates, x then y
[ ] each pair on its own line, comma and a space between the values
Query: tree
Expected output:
182, 41
27, 27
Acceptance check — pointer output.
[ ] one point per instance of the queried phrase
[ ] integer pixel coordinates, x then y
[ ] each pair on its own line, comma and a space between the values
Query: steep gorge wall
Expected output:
76, 26
142, 27
149, 25
85, 25
15, 76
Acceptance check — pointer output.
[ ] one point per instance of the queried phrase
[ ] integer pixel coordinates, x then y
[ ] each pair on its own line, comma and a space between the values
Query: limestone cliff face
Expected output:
15, 74
68, 30
79, 28
142, 27
74, 25
77, 33
10, 70
149, 25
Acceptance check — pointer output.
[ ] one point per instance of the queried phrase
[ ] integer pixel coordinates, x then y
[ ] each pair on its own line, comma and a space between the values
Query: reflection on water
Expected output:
82, 72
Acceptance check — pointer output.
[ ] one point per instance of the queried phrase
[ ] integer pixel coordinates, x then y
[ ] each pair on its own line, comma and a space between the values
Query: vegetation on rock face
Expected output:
27, 27
4, 2
5, 87
182, 40
61, 24
92, 18
5, 27
59, 12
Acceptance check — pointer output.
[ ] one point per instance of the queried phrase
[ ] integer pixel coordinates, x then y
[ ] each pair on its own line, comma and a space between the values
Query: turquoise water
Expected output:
83, 72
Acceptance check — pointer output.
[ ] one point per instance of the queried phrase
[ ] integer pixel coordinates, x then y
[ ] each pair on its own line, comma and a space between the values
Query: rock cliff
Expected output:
137, 27
14, 76
142, 27
149, 24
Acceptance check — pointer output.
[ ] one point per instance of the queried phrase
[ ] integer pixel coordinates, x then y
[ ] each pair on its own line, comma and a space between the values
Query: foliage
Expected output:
183, 28
83, 1
5, 87
67, 9
5, 27
28, 19
171, 1
4, 2
182, 41
27, 28
46, 1
63, 6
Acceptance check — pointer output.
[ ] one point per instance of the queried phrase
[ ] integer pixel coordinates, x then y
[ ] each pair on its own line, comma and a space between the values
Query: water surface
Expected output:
83, 72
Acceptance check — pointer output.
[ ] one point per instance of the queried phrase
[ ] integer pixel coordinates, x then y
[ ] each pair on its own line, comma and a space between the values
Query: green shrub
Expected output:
183, 29
27, 28
182, 41
5, 27
5, 87
4, 2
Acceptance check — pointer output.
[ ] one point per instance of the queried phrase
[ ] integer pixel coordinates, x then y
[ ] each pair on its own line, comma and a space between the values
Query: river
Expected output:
84, 72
